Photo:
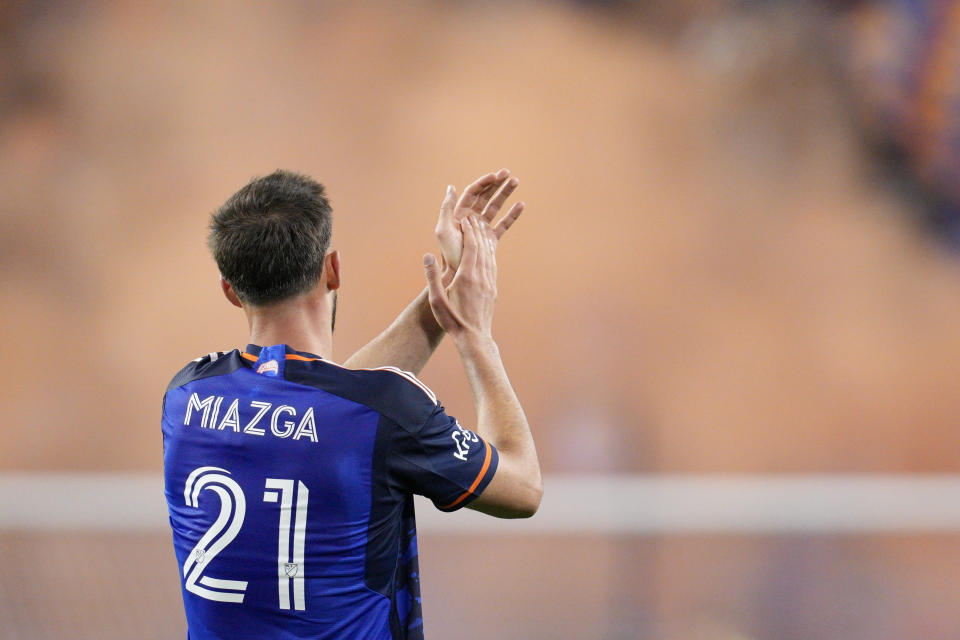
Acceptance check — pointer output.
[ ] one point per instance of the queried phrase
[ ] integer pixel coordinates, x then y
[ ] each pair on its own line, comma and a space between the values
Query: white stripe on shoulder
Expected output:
412, 378
400, 372
213, 355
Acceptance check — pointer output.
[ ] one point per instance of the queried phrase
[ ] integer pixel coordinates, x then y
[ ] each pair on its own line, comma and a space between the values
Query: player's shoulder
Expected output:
392, 392
212, 364
402, 383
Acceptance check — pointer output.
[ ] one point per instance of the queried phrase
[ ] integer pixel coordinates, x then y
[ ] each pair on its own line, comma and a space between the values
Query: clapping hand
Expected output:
483, 198
464, 308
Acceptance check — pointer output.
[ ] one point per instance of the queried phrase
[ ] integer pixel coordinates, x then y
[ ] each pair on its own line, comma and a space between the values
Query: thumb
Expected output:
434, 285
449, 200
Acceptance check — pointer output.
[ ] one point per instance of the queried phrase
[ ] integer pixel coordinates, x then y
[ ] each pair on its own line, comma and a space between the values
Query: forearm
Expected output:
407, 343
500, 418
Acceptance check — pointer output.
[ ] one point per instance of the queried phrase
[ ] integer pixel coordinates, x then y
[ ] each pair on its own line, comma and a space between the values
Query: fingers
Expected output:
490, 254
484, 269
483, 247
507, 221
468, 261
500, 177
472, 193
490, 212
491, 237
476, 196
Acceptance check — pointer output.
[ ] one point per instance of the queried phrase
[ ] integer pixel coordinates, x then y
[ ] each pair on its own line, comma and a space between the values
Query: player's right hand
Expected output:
465, 307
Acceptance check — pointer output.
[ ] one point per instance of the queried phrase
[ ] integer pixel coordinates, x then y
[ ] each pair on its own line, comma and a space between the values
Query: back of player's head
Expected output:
270, 238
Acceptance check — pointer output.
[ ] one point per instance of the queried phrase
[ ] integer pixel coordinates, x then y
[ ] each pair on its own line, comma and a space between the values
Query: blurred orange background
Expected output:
709, 277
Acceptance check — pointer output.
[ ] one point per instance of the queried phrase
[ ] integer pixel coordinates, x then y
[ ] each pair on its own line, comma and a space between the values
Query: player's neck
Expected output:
302, 324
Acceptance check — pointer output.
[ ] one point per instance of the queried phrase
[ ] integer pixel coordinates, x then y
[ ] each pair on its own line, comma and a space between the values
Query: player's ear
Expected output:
331, 269
230, 293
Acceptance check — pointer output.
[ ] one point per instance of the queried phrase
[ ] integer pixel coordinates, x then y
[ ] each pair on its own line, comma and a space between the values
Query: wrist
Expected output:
471, 342
425, 318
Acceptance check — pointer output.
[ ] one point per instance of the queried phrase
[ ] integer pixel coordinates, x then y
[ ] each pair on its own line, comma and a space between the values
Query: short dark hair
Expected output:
270, 238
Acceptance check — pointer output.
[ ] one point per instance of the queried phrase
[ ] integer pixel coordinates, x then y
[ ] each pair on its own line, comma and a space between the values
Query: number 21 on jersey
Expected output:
233, 508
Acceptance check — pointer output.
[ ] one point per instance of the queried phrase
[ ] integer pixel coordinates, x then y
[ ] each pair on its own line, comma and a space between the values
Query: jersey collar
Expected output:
255, 349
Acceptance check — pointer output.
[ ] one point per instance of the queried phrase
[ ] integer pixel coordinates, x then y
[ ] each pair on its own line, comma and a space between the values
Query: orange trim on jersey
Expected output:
290, 356
293, 356
483, 471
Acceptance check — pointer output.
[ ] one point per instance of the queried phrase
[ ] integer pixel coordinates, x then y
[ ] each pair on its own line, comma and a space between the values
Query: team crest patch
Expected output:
291, 568
270, 366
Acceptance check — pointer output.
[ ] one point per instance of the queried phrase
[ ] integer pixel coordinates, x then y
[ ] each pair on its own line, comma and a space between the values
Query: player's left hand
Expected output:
483, 198
464, 308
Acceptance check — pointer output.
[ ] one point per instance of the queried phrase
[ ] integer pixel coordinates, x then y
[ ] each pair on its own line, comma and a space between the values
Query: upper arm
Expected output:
443, 461
455, 467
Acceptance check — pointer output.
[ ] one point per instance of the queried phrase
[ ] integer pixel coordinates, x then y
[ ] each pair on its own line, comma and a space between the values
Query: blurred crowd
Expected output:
897, 62
903, 58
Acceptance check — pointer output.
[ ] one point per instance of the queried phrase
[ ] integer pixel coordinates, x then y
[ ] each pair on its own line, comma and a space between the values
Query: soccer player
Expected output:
289, 478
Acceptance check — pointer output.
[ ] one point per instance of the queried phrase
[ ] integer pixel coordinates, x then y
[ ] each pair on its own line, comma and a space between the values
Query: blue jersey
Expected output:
289, 482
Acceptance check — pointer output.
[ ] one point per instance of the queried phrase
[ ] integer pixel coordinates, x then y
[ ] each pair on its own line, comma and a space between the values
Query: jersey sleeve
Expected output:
443, 461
